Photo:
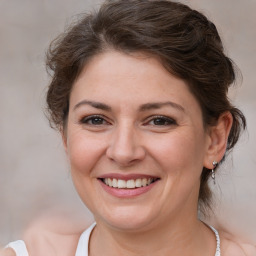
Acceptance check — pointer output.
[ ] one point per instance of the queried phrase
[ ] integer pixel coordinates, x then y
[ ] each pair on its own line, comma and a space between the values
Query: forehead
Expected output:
115, 77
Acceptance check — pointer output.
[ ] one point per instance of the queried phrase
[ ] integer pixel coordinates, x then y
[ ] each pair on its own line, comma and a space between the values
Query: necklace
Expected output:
217, 253
83, 244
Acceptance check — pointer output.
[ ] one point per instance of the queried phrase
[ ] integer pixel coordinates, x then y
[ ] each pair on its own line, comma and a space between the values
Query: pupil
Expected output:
159, 121
97, 121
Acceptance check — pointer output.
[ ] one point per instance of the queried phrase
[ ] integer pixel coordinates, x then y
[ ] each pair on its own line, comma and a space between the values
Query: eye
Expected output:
94, 120
161, 121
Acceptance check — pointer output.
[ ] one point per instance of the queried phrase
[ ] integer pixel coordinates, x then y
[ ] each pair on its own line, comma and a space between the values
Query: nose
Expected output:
125, 148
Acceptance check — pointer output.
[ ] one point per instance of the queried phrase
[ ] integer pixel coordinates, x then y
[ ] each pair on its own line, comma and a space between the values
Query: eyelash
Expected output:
162, 121
88, 119
167, 121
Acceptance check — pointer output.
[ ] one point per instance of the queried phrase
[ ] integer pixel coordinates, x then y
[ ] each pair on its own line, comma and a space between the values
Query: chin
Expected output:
131, 219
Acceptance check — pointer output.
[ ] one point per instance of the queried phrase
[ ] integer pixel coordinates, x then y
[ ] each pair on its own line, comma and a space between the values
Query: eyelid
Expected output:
167, 118
85, 119
170, 121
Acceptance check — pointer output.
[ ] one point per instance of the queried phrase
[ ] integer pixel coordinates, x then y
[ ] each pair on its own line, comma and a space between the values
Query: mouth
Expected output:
128, 184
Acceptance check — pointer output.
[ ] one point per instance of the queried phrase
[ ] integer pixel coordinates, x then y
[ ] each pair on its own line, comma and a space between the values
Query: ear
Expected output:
218, 137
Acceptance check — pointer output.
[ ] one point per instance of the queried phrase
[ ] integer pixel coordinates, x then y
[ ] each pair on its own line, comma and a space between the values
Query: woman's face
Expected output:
135, 141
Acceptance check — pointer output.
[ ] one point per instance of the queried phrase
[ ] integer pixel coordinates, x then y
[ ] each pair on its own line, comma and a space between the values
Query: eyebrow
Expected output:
157, 105
144, 107
94, 104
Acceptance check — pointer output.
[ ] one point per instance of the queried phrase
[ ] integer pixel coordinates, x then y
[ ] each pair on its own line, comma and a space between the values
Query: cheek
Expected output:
83, 152
180, 152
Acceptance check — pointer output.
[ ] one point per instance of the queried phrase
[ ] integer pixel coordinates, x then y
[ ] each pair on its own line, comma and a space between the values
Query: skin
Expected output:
126, 138
55, 232
66, 245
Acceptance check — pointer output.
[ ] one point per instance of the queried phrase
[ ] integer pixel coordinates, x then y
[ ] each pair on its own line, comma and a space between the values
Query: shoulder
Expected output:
7, 252
235, 248
54, 234
43, 240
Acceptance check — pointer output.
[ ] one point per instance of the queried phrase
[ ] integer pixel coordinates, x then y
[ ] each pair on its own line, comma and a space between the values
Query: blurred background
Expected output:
34, 174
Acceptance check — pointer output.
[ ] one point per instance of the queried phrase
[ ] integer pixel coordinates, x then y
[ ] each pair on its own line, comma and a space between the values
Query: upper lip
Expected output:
126, 177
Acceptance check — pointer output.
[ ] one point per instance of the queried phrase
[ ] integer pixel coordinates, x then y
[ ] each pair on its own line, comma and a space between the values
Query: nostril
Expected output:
125, 146
125, 156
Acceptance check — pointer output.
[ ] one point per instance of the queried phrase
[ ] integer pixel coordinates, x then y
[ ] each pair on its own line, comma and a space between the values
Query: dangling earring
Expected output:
214, 163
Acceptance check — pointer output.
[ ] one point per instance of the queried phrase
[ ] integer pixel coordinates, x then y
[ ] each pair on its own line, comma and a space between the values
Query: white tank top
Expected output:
83, 245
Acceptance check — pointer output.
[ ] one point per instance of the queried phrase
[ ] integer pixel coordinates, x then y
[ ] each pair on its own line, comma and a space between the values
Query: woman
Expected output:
139, 94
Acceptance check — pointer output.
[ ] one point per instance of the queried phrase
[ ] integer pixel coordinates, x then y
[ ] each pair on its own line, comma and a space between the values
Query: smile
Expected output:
128, 184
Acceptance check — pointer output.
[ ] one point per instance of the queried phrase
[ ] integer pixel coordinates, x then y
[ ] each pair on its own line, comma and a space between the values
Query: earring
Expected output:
214, 163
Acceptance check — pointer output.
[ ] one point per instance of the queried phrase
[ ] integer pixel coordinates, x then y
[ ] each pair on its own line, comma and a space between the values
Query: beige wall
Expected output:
34, 175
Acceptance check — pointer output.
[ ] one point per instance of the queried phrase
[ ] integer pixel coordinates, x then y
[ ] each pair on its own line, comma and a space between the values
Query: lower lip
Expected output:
127, 192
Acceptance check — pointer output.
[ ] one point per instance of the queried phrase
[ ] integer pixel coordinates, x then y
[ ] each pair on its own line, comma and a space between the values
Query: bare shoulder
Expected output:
55, 232
7, 252
46, 242
235, 248
54, 235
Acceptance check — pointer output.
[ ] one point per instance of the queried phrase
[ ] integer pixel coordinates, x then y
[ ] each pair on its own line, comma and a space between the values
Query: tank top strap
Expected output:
19, 247
83, 244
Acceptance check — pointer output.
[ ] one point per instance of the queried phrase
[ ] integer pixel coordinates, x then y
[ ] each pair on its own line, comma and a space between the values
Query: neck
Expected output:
178, 237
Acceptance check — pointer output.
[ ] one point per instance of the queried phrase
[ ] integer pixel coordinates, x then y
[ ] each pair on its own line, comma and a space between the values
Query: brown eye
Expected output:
97, 121
94, 120
162, 121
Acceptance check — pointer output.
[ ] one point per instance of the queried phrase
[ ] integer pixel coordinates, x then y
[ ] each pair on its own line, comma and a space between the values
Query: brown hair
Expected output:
185, 41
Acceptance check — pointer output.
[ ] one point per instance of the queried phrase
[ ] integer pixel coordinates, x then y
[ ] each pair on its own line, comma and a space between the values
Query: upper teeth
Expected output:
137, 183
